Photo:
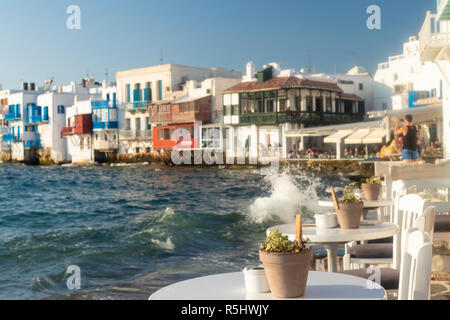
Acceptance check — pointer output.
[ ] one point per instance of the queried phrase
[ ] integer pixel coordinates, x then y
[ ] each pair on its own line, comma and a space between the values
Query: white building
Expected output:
356, 81
139, 88
262, 110
79, 142
404, 79
50, 118
434, 40
22, 138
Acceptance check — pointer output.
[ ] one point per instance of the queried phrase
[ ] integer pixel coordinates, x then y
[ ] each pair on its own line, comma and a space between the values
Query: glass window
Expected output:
282, 105
166, 134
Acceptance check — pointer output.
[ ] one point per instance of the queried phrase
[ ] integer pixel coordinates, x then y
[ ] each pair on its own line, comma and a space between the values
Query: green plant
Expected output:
349, 196
373, 180
277, 242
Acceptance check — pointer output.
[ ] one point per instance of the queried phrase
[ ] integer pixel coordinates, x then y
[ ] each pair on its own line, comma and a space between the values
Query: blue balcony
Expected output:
8, 138
137, 105
100, 125
12, 116
32, 144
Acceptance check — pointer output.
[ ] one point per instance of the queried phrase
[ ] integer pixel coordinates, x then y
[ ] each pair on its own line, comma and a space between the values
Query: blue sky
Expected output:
119, 35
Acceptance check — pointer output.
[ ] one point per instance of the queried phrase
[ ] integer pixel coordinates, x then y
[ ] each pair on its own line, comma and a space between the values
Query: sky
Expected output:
116, 35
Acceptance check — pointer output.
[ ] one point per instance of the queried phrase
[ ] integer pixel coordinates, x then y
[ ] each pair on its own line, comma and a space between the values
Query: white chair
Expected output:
406, 210
390, 277
415, 272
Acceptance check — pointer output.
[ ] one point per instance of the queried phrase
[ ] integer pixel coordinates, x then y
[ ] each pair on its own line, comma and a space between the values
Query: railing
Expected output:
433, 35
12, 116
35, 119
105, 145
300, 117
100, 125
137, 105
66, 131
11, 138
32, 144
135, 134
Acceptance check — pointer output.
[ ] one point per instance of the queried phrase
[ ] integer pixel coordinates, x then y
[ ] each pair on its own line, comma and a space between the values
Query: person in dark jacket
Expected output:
409, 133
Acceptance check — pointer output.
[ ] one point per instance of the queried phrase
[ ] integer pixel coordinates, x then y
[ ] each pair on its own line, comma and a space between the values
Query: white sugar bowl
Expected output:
255, 280
326, 220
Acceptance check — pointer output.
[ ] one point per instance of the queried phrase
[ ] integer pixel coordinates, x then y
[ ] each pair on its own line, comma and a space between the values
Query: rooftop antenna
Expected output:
47, 84
107, 75
309, 62
162, 58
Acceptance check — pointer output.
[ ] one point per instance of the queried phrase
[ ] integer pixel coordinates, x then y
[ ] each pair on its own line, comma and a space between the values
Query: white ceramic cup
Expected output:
255, 280
326, 220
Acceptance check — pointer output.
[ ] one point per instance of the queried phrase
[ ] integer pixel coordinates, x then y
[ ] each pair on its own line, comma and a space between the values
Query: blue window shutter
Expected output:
114, 100
63, 109
18, 132
160, 90
107, 97
128, 93
45, 114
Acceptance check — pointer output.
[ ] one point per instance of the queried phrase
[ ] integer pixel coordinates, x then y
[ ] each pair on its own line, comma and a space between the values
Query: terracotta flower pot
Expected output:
287, 273
349, 215
371, 191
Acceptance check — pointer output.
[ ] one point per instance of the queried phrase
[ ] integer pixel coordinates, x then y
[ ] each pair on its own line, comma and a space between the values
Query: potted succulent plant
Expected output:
372, 188
286, 264
349, 210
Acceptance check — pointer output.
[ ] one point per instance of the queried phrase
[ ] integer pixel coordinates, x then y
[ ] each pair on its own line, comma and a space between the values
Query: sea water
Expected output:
134, 229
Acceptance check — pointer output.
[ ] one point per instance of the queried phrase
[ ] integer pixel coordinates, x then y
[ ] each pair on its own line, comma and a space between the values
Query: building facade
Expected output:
157, 87
434, 40
405, 78
263, 108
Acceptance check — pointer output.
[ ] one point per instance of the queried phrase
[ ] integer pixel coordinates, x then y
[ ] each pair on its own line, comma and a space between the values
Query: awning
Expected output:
376, 136
357, 137
338, 136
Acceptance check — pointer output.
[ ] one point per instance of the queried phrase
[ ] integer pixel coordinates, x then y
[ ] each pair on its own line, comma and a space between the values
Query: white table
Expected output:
332, 238
231, 286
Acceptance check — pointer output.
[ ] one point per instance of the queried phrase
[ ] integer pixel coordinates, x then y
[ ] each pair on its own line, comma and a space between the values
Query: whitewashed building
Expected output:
405, 78
434, 40
157, 85
262, 110
78, 132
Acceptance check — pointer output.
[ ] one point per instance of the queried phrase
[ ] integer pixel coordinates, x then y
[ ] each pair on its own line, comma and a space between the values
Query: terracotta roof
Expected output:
284, 83
350, 96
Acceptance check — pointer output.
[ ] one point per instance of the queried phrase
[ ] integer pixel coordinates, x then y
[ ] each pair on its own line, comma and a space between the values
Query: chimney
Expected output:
24, 86
250, 71
32, 86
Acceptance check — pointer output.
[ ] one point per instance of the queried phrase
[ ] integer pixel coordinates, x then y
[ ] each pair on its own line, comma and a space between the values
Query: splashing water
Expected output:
289, 196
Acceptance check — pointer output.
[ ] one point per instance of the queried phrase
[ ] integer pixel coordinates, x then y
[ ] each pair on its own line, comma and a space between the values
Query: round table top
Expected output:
367, 204
231, 286
316, 235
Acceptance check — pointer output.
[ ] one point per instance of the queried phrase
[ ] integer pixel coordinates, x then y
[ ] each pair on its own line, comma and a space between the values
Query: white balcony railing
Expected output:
105, 145
433, 36
136, 134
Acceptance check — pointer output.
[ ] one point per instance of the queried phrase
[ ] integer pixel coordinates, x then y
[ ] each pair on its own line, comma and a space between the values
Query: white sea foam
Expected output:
166, 245
287, 199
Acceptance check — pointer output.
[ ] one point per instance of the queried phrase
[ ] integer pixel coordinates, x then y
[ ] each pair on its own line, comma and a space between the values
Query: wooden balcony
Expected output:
434, 38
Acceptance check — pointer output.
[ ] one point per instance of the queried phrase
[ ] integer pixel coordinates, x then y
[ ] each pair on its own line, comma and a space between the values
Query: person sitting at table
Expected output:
391, 149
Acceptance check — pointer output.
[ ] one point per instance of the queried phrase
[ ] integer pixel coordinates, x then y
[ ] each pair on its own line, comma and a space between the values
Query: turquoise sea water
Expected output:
134, 229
